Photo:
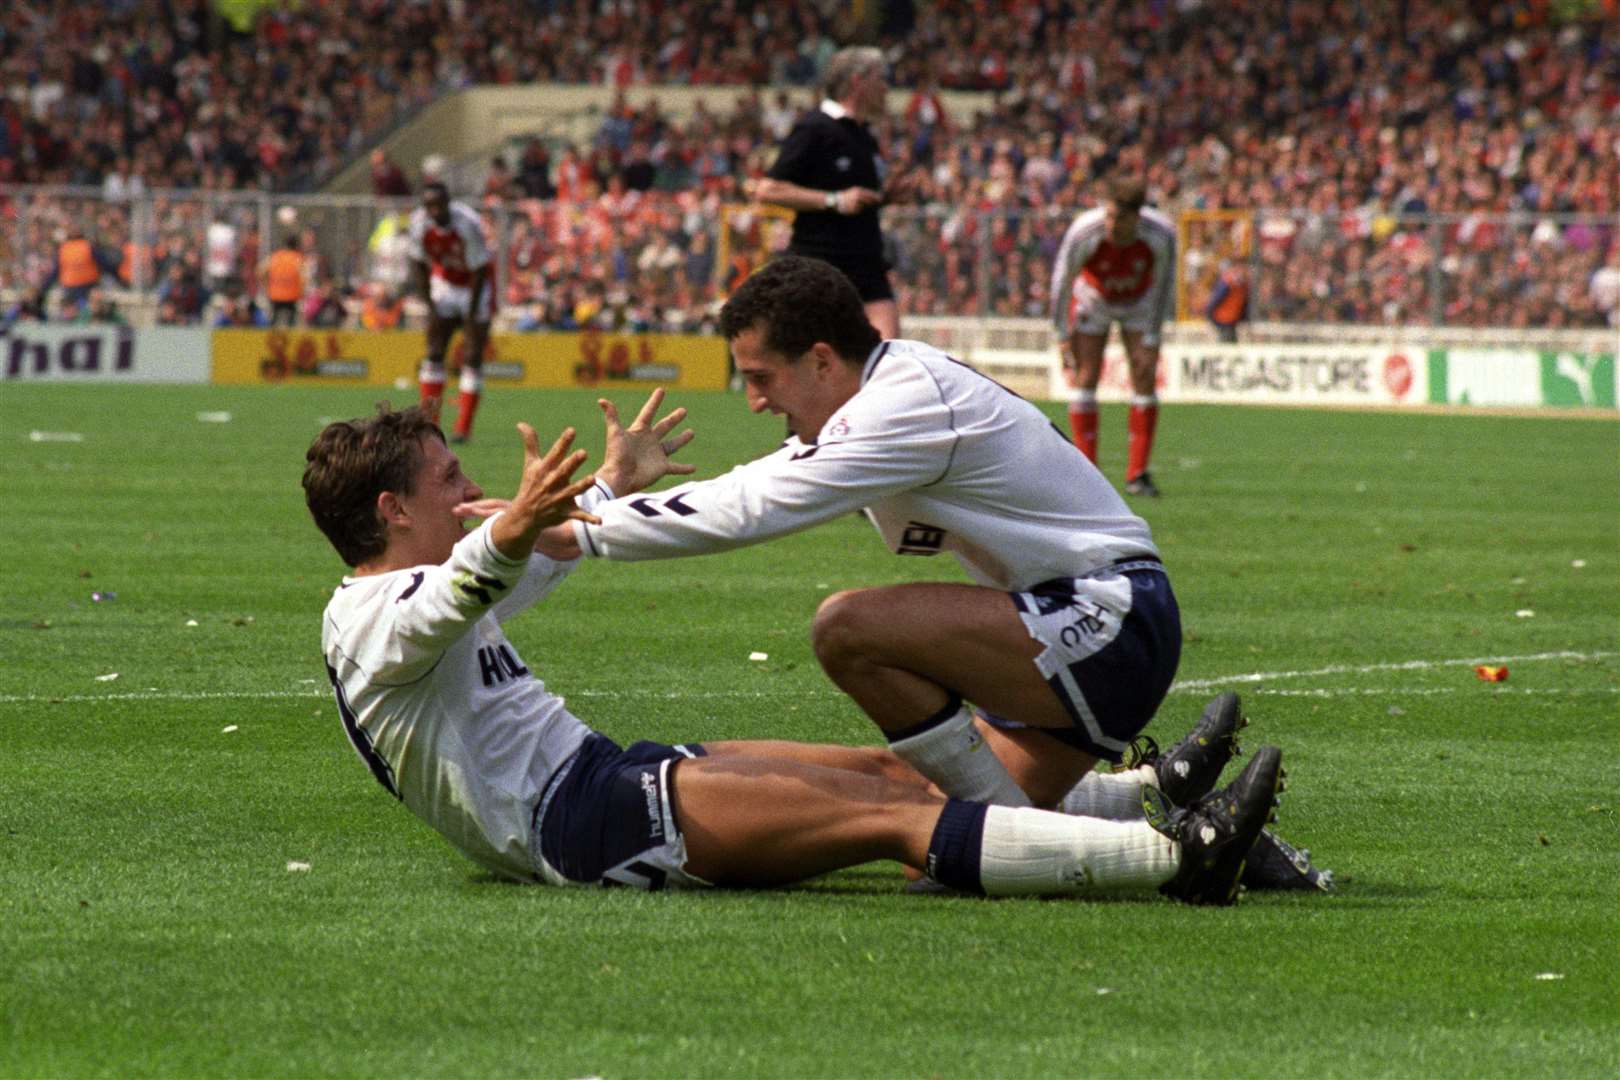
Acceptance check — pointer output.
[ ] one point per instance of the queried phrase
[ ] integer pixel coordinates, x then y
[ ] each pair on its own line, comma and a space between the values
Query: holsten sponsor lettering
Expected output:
39, 351
1283, 373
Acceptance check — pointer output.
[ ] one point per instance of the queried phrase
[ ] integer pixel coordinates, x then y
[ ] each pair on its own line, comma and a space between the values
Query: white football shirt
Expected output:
438, 703
942, 457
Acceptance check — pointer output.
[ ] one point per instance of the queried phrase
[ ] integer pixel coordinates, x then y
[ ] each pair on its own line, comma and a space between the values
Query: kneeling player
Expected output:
449, 719
450, 266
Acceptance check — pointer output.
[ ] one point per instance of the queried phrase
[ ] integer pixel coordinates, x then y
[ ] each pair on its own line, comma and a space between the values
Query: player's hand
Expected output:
545, 495
640, 454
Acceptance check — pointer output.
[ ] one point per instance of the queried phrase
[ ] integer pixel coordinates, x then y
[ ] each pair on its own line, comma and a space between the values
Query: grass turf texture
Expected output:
149, 924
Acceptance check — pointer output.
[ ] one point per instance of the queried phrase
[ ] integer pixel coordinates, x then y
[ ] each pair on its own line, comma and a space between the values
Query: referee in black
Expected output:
829, 169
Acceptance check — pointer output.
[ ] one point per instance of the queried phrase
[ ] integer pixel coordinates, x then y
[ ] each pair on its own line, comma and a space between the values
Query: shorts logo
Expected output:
1088, 620
649, 791
921, 539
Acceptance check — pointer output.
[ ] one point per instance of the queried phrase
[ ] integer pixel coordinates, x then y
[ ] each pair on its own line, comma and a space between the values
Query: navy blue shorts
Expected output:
608, 817
1113, 640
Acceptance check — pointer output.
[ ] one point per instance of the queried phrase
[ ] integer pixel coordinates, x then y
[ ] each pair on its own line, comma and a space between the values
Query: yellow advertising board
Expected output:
309, 356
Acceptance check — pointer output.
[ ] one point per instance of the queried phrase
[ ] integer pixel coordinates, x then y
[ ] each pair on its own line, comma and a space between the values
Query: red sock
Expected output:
1143, 420
432, 388
467, 406
1083, 423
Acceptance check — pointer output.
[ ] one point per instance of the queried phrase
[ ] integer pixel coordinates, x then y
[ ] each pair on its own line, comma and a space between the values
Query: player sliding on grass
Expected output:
1071, 636
451, 721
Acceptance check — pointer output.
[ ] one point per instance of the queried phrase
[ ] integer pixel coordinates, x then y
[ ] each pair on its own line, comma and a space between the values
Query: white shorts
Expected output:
452, 301
1093, 316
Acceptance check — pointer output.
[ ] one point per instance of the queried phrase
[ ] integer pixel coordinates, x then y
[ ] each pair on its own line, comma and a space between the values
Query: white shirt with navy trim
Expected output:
942, 457
440, 705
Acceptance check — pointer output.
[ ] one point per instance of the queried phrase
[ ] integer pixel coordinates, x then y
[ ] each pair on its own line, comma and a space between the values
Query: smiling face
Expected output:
423, 526
807, 389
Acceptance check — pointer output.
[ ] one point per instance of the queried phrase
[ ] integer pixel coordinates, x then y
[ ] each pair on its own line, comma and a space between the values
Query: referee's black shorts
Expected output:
870, 274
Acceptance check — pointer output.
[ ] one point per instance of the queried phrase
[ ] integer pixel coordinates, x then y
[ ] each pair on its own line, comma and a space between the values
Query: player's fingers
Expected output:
670, 422
531, 441
649, 408
672, 445
610, 413
558, 449
679, 468
585, 516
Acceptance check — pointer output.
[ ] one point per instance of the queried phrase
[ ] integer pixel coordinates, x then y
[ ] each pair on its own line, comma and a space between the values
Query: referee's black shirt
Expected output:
830, 154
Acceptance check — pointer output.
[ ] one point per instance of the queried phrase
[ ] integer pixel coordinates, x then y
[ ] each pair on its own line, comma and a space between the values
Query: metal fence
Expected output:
656, 261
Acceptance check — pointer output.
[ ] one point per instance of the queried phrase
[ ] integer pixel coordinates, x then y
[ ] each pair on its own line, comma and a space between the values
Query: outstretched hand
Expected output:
545, 495
639, 455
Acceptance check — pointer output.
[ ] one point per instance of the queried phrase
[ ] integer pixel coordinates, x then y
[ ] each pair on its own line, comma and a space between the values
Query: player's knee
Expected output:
841, 627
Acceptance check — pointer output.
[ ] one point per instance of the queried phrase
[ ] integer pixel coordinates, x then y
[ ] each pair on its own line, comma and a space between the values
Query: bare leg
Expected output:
901, 651
761, 821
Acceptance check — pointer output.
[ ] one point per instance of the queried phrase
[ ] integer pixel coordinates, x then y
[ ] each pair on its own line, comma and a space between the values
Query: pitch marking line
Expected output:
1368, 669
1190, 686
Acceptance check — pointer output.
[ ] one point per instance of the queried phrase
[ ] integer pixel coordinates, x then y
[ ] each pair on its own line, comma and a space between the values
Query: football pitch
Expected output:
199, 878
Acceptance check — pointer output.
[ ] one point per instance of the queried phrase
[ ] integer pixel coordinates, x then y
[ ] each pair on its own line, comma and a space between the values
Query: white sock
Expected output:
1117, 796
430, 373
1033, 852
955, 756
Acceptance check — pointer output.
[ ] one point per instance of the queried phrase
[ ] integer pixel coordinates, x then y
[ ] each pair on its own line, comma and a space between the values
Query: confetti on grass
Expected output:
759, 656
1491, 673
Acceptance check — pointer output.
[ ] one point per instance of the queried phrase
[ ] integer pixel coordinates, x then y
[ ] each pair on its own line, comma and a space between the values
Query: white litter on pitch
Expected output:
227, 729
108, 677
1524, 613
214, 417
1549, 976
191, 622
1577, 563
759, 656
55, 436
296, 867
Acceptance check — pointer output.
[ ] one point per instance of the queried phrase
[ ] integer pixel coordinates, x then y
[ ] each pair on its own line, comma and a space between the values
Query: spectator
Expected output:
387, 178
1229, 301
284, 276
78, 269
533, 179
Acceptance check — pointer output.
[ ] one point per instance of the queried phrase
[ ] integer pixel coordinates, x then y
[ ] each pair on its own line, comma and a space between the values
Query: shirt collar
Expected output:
833, 109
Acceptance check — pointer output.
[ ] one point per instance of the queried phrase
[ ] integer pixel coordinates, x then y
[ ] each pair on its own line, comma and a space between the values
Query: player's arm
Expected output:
1164, 279
904, 440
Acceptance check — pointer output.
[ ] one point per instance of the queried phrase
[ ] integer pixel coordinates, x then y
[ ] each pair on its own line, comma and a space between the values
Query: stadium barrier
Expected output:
390, 358
58, 352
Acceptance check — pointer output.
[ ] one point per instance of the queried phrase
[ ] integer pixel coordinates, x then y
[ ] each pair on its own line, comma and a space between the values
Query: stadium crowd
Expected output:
1386, 145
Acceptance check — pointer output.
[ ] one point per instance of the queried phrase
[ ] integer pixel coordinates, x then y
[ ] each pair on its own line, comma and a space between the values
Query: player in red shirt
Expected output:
1116, 264
450, 271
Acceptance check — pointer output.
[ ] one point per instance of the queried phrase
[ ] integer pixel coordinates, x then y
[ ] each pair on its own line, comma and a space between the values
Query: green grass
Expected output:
149, 924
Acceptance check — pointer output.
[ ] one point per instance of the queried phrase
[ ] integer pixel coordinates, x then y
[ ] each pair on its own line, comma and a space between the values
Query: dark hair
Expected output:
1127, 192
799, 301
351, 463
435, 187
